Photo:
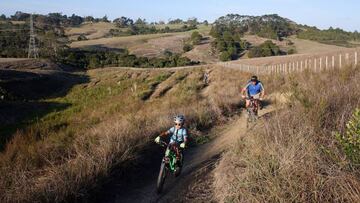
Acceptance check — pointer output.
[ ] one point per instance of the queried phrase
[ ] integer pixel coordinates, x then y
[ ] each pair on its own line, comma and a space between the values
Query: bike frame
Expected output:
171, 162
254, 105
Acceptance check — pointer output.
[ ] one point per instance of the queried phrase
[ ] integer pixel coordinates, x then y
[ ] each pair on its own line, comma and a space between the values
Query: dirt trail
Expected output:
198, 164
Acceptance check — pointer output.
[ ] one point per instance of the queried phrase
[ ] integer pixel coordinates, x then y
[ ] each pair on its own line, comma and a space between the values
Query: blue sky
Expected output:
321, 13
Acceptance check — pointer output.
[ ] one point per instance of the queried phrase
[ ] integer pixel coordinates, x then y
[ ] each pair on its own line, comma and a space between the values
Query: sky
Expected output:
344, 14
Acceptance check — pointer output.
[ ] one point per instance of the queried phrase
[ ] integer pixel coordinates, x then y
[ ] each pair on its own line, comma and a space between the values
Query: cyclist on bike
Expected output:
254, 89
178, 137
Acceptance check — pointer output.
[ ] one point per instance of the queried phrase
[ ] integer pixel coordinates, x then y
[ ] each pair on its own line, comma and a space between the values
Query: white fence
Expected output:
298, 63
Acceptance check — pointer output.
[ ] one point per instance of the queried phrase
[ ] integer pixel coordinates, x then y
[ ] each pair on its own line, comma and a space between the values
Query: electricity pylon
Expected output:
33, 51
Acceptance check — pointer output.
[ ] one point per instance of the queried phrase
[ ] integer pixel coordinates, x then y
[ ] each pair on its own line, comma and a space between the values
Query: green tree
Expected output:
187, 47
196, 38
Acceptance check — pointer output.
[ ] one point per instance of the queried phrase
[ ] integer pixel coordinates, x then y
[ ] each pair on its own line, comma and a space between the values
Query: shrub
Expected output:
225, 56
196, 38
82, 37
187, 47
268, 48
350, 140
291, 51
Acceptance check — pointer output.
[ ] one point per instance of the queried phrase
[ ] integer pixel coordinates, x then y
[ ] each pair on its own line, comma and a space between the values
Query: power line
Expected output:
33, 51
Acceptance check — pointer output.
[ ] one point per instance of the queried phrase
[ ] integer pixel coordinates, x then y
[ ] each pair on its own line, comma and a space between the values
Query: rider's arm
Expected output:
164, 134
262, 93
244, 90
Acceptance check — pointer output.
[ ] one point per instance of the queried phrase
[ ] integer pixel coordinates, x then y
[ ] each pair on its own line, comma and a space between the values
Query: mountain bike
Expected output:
252, 111
169, 164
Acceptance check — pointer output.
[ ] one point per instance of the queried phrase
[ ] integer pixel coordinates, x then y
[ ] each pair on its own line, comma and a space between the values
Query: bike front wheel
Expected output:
161, 177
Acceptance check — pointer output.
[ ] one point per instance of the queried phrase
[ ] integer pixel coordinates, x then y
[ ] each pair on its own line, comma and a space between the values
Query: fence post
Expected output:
340, 62
301, 65
326, 63
315, 65
333, 62
297, 66
306, 63
320, 64
356, 55
347, 59
293, 67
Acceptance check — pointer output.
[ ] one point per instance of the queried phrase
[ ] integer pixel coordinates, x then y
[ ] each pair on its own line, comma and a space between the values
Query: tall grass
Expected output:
293, 156
69, 152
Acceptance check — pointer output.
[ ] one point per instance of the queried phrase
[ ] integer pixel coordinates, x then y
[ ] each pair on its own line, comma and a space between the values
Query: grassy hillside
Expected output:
104, 123
90, 30
150, 45
294, 154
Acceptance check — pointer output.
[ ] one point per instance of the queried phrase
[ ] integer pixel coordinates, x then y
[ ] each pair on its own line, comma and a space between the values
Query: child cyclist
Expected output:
178, 137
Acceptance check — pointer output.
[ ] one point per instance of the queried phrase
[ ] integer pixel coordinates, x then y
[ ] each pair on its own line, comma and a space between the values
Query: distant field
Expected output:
91, 30
202, 52
308, 47
150, 45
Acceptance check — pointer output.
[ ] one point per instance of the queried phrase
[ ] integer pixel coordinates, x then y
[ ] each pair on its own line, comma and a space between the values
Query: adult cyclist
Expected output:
178, 137
253, 89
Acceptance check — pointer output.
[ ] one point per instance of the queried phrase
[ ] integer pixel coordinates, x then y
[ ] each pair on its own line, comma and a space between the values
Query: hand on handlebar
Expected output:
182, 145
157, 139
243, 96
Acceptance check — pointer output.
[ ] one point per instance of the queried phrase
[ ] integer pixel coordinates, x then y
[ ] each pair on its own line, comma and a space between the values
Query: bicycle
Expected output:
169, 164
252, 111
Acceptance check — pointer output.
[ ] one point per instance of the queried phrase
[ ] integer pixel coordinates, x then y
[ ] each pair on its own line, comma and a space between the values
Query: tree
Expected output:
192, 21
123, 22
187, 47
206, 23
225, 56
3, 17
89, 19
20, 16
75, 20
176, 21
105, 19
140, 21
196, 38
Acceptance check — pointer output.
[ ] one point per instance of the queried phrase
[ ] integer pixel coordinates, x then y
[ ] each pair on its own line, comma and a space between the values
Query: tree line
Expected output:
329, 36
89, 59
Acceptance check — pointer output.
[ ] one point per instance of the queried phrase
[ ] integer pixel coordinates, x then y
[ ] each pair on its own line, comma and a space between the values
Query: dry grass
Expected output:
150, 45
309, 47
90, 30
63, 155
293, 156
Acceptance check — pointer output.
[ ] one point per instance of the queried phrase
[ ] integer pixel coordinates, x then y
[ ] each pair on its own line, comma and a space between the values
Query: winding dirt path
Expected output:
193, 184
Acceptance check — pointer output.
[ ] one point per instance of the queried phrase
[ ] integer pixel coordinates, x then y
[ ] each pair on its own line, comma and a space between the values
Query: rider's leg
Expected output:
247, 103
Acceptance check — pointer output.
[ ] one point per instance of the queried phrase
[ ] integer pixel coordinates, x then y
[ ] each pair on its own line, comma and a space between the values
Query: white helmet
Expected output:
179, 119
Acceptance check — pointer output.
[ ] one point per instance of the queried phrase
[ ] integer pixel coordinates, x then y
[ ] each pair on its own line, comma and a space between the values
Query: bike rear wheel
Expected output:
161, 177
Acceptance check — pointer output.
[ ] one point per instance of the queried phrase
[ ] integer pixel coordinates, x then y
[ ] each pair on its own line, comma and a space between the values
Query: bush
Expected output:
268, 48
225, 56
291, 51
82, 37
188, 47
350, 140
196, 38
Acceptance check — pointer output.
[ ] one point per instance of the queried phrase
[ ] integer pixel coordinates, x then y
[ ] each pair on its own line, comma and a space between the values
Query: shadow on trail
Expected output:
138, 184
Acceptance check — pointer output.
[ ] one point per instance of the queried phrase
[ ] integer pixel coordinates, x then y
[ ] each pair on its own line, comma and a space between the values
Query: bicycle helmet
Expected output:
254, 78
179, 119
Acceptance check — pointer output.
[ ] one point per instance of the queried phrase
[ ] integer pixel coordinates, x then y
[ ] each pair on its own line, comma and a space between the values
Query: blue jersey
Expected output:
254, 89
177, 135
